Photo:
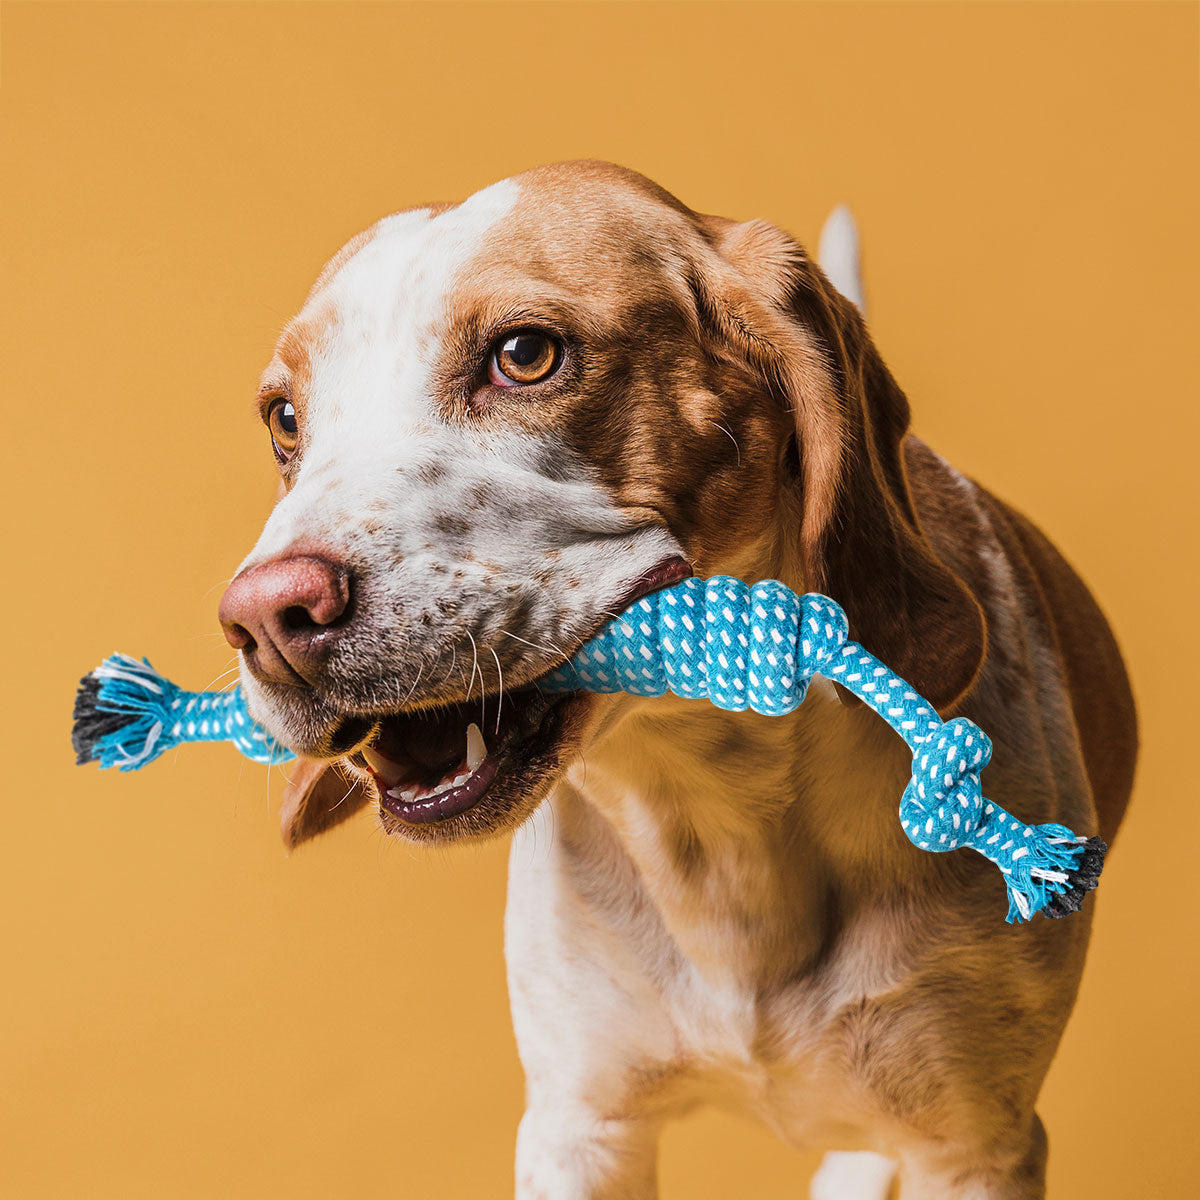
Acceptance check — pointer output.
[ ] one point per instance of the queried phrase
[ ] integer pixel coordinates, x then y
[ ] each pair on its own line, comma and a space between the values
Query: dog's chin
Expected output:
449, 772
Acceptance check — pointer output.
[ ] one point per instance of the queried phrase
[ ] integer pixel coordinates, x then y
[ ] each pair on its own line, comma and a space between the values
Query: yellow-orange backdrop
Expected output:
186, 1011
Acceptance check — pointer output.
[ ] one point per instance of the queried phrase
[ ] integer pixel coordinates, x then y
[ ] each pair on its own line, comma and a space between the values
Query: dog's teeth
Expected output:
390, 772
406, 794
459, 780
476, 747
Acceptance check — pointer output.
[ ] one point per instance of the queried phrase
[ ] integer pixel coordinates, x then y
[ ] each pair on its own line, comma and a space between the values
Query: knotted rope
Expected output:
739, 647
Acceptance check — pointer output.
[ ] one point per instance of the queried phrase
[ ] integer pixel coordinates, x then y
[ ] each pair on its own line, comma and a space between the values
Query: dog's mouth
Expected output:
478, 766
436, 765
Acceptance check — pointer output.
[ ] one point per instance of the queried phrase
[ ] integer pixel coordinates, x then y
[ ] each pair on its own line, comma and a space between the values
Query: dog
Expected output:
499, 422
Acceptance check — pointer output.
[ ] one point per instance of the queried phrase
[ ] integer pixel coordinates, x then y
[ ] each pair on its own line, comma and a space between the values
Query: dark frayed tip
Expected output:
90, 723
1084, 878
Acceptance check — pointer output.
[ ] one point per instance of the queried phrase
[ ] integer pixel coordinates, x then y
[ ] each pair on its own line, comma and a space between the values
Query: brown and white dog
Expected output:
498, 422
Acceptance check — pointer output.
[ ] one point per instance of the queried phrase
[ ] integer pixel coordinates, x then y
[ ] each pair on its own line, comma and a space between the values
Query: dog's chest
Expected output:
687, 931
605, 996
788, 1053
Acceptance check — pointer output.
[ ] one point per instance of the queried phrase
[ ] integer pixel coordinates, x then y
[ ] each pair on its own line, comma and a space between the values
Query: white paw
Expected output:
860, 1175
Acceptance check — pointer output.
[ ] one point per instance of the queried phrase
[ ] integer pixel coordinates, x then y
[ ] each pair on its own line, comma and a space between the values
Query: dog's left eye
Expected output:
523, 358
285, 429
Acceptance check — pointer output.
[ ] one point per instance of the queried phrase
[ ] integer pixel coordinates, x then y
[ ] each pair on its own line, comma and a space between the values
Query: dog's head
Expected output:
498, 423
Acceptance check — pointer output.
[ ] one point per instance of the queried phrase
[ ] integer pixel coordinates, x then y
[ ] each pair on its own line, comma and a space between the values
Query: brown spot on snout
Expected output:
431, 472
452, 525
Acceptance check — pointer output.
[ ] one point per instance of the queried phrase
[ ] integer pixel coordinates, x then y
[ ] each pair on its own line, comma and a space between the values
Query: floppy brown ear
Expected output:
860, 540
317, 797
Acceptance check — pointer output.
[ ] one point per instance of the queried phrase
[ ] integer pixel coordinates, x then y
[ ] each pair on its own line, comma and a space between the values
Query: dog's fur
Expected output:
726, 910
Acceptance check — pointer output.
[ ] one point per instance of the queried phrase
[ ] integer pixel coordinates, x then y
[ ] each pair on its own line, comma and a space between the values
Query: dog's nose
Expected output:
284, 615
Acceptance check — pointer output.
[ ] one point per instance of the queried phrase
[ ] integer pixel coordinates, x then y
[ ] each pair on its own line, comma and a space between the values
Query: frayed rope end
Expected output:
1084, 877
120, 711
1062, 868
91, 723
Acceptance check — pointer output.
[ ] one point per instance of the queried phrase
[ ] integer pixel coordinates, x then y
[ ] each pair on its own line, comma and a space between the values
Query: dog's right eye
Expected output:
285, 429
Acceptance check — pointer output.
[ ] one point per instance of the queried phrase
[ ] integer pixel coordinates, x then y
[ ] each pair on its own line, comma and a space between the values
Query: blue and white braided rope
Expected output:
162, 716
740, 647
757, 647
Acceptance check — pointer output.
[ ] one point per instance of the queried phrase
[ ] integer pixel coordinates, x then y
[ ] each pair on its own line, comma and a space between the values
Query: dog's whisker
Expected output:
500, 688
346, 797
536, 646
270, 768
220, 675
730, 437
474, 664
518, 638
411, 690
471, 686
221, 583
453, 661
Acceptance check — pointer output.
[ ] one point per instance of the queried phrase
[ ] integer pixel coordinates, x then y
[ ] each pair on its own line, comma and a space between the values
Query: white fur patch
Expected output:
857, 1175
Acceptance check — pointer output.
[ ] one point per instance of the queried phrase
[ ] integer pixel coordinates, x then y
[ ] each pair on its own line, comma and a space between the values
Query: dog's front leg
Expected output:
602, 1073
567, 1151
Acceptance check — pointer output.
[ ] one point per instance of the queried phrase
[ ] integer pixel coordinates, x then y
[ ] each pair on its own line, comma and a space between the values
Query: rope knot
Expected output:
942, 806
787, 640
824, 630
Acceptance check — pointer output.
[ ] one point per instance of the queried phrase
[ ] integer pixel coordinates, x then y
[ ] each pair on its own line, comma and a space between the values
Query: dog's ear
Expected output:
859, 539
317, 797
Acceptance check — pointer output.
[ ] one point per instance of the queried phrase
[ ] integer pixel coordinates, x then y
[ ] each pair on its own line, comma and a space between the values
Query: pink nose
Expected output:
284, 616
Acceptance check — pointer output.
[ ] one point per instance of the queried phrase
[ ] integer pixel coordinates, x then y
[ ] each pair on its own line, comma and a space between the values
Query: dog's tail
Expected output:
838, 254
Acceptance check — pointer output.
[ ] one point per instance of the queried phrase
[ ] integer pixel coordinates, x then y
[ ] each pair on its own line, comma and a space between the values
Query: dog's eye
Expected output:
285, 430
521, 358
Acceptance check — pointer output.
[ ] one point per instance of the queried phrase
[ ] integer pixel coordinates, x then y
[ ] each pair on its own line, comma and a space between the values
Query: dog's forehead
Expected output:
371, 323
568, 231
401, 268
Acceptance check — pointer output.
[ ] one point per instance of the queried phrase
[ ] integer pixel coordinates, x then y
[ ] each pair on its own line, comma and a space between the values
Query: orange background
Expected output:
186, 1011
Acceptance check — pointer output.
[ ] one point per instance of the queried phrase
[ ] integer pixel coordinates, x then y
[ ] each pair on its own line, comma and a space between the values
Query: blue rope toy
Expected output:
739, 647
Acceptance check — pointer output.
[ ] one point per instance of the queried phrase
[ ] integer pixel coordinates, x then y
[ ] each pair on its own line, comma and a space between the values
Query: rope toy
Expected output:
740, 647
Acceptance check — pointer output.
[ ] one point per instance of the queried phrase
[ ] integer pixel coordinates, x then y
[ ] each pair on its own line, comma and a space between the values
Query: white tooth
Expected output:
476, 747
459, 780
407, 794
390, 772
